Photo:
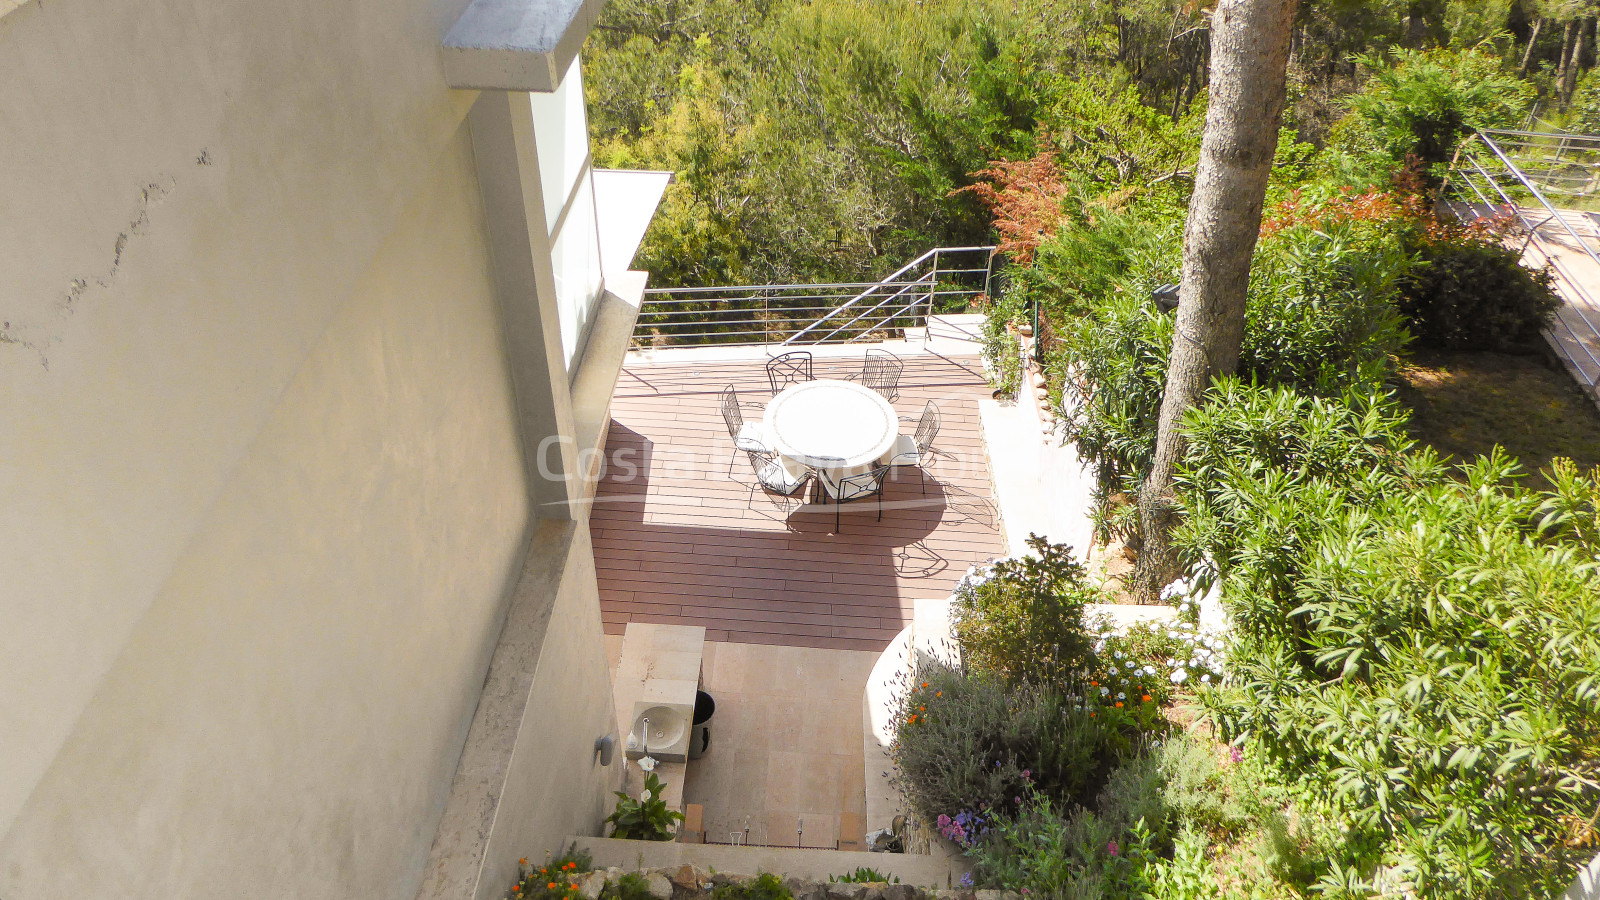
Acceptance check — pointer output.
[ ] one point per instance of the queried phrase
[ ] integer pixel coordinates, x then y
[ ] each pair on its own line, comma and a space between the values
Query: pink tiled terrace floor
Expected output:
680, 541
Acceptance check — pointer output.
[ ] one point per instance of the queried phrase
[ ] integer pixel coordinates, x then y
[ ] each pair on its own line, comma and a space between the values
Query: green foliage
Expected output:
647, 818
555, 880
1473, 293
631, 886
1062, 853
1583, 113
1421, 102
765, 886
1418, 652
1022, 619
1000, 349
1321, 314
972, 743
863, 875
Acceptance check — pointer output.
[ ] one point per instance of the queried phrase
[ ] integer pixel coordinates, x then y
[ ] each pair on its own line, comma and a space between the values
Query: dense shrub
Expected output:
1022, 619
1322, 315
976, 745
1419, 653
1472, 293
1138, 836
1420, 103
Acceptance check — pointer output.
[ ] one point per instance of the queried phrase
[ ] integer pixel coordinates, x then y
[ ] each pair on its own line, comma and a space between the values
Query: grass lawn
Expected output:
1465, 403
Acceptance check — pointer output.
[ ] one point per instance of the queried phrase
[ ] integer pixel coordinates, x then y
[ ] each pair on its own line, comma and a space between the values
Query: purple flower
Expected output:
966, 881
1111, 848
1028, 774
944, 820
1235, 754
1016, 799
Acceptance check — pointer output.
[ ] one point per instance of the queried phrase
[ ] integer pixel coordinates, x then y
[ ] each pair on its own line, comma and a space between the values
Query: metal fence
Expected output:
1520, 174
942, 279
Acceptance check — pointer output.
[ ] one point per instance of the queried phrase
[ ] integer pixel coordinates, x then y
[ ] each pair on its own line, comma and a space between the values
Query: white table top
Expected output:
825, 419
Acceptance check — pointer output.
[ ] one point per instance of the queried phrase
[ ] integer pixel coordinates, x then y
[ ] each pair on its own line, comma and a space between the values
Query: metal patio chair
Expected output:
790, 368
881, 372
780, 485
917, 449
853, 487
747, 436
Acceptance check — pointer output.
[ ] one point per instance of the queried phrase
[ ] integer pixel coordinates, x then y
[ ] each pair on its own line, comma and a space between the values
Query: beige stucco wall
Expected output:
261, 501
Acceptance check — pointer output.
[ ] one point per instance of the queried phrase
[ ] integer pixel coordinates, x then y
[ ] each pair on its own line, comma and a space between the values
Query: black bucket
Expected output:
700, 733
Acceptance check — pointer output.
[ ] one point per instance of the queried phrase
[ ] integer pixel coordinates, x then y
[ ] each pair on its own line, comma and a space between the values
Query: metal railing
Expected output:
941, 279
1514, 173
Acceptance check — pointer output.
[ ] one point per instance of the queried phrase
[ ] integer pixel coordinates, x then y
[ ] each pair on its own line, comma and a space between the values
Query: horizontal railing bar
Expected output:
792, 298
785, 300
764, 287
673, 314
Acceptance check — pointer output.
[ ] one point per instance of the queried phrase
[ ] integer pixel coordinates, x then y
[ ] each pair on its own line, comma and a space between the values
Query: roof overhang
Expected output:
517, 45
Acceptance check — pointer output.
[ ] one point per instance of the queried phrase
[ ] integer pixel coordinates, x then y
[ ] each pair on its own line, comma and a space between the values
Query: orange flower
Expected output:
523, 861
1145, 698
551, 885
924, 684
1119, 704
1091, 715
939, 694
545, 871
1094, 683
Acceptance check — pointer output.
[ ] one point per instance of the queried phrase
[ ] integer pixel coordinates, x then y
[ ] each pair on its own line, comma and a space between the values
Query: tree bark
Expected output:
1249, 58
1569, 43
1533, 39
1569, 78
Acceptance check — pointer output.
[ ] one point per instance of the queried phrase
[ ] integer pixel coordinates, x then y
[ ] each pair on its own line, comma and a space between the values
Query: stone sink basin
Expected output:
668, 739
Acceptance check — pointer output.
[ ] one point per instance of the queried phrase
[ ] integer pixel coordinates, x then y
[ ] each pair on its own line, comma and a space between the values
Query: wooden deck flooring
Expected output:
678, 540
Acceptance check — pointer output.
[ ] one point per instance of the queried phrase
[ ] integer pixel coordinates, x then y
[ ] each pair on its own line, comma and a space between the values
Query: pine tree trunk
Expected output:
1569, 43
1249, 57
1533, 39
1569, 80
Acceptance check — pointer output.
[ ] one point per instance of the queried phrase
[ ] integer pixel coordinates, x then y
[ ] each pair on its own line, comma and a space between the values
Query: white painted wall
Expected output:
261, 496
565, 173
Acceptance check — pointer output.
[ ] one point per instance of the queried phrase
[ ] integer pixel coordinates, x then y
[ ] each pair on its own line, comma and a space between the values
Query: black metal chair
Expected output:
917, 449
790, 368
778, 482
853, 487
747, 436
881, 372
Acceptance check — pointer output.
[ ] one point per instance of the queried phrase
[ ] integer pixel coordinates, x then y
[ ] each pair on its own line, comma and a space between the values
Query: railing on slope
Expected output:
1498, 172
941, 279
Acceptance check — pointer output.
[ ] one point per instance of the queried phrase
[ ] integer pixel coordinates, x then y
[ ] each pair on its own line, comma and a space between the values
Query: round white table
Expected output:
835, 425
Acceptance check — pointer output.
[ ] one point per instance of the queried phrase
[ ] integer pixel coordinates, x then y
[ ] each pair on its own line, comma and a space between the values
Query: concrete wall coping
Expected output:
457, 860
517, 45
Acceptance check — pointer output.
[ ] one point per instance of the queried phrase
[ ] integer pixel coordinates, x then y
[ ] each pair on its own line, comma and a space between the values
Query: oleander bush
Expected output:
1322, 316
1418, 653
